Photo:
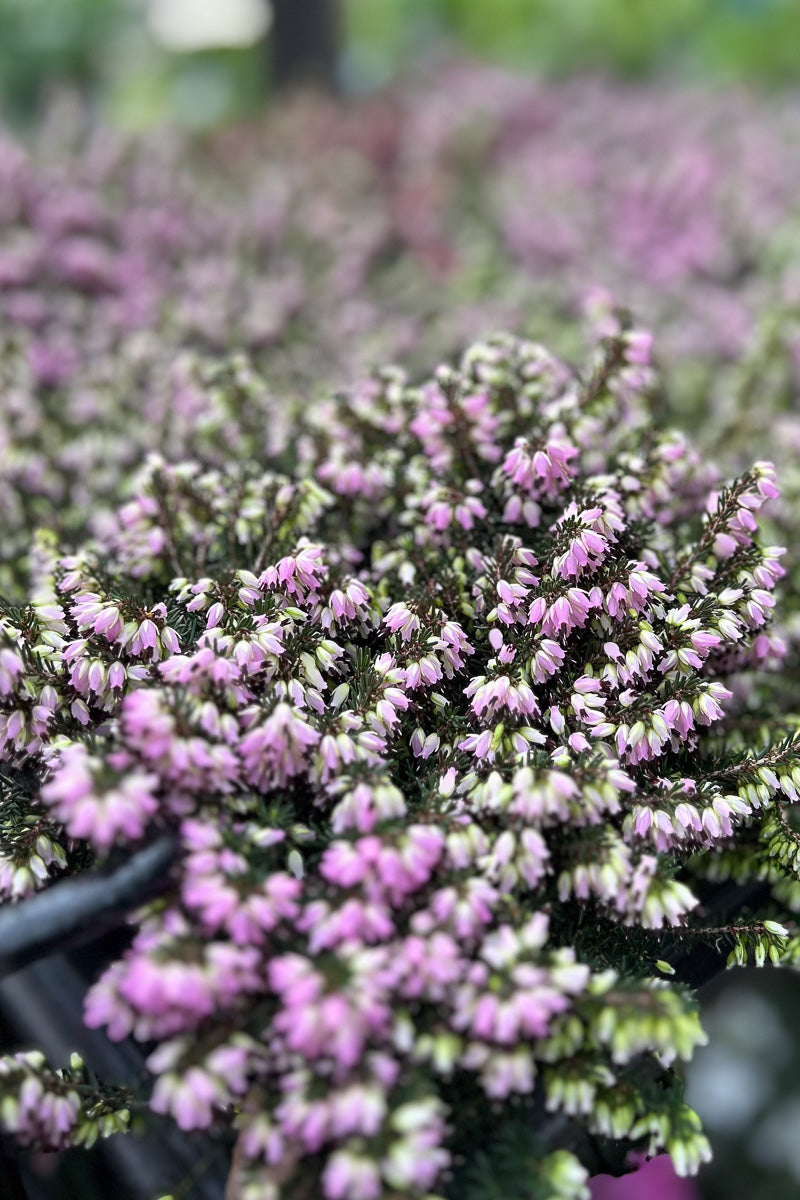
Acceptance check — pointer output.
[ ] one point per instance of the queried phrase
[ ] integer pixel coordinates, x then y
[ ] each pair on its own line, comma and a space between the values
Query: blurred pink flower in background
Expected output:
655, 1180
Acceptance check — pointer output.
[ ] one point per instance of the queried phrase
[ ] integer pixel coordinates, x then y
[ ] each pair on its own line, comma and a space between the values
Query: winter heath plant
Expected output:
457, 709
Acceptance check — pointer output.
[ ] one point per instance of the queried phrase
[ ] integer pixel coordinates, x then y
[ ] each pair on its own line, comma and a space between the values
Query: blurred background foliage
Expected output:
733, 39
123, 54
744, 1083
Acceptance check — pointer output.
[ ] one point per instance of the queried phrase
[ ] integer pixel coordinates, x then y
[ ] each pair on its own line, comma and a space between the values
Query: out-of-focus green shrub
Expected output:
106, 49
49, 42
733, 38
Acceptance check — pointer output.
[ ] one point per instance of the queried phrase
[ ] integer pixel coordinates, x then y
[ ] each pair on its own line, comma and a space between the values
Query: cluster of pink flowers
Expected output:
397, 229
413, 727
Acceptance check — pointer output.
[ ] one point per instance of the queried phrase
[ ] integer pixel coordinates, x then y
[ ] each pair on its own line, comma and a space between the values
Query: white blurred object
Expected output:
186, 25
